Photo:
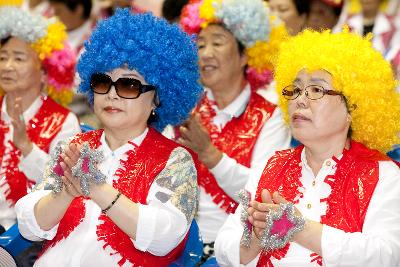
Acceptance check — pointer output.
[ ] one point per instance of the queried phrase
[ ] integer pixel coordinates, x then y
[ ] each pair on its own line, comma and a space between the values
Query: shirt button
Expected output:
308, 206
328, 163
313, 183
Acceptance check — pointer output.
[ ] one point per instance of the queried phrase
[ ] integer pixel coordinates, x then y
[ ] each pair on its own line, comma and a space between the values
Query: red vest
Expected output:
237, 140
41, 130
352, 185
136, 175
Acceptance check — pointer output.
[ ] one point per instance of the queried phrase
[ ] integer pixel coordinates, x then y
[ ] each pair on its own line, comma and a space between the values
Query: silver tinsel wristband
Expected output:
54, 172
282, 225
244, 199
86, 168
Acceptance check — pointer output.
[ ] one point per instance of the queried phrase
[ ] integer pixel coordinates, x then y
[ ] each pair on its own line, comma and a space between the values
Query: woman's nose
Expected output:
302, 99
112, 94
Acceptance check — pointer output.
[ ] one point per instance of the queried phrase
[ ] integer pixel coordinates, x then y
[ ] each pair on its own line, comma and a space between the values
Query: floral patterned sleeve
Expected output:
171, 205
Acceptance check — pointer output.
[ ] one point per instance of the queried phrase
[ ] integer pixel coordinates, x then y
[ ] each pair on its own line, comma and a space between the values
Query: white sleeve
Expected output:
34, 163
227, 244
232, 176
379, 242
171, 204
27, 224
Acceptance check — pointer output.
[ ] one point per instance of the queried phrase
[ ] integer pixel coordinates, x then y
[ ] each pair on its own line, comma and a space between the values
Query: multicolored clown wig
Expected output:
361, 73
251, 24
47, 37
163, 54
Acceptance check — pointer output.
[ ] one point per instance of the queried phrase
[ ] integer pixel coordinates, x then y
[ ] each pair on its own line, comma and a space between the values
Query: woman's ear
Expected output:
243, 60
348, 119
156, 100
43, 78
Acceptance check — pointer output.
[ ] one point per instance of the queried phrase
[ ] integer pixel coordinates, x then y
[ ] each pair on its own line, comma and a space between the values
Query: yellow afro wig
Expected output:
358, 71
355, 6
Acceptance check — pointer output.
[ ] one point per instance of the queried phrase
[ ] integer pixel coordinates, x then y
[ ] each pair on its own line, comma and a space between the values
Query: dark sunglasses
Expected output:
128, 88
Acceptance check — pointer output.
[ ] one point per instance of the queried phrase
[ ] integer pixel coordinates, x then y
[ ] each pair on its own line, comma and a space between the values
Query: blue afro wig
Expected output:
163, 54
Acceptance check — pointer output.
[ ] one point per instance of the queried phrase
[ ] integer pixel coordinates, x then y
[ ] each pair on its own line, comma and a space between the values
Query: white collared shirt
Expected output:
33, 164
161, 224
377, 245
381, 26
232, 176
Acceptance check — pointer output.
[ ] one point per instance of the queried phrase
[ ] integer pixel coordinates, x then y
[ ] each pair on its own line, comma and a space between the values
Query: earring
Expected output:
153, 113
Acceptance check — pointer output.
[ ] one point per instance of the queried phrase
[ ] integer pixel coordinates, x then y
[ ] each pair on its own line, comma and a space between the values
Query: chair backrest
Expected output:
211, 262
193, 249
395, 153
13, 241
86, 128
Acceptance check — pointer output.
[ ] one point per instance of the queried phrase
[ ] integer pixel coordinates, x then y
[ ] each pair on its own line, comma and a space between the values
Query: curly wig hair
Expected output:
250, 22
47, 36
163, 54
360, 72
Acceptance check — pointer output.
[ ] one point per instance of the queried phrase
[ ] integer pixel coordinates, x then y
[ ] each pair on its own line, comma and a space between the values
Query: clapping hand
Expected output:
70, 158
20, 136
196, 137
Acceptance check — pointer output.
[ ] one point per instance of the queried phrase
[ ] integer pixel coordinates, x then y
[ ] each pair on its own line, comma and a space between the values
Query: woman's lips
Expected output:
110, 109
299, 117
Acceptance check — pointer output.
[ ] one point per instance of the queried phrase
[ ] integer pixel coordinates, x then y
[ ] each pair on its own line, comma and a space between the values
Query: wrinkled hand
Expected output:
259, 211
196, 137
70, 158
20, 136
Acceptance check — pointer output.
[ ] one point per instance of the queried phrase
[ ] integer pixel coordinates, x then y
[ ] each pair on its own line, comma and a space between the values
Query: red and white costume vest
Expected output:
236, 139
41, 130
136, 175
353, 185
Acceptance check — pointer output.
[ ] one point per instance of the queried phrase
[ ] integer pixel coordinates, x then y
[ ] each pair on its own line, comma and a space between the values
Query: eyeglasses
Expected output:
128, 88
312, 92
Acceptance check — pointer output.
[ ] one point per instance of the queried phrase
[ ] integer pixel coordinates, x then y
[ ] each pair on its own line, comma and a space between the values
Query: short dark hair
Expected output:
337, 11
4, 40
171, 9
302, 6
73, 4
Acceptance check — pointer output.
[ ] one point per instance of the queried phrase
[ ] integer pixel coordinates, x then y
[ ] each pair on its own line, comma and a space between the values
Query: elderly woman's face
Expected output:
116, 112
219, 58
286, 10
370, 5
20, 67
317, 121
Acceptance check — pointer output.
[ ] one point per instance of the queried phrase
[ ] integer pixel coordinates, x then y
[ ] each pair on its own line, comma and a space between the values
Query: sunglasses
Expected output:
128, 88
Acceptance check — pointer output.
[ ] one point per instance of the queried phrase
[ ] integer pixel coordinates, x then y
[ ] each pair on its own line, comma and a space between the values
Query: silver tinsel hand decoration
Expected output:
54, 172
86, 168
282, 225
244, 199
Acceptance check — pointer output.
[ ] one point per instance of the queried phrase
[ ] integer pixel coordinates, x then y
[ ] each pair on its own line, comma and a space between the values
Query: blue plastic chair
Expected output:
86, 128
211, 262
13, 241
294, 142
193, 249
395, 153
